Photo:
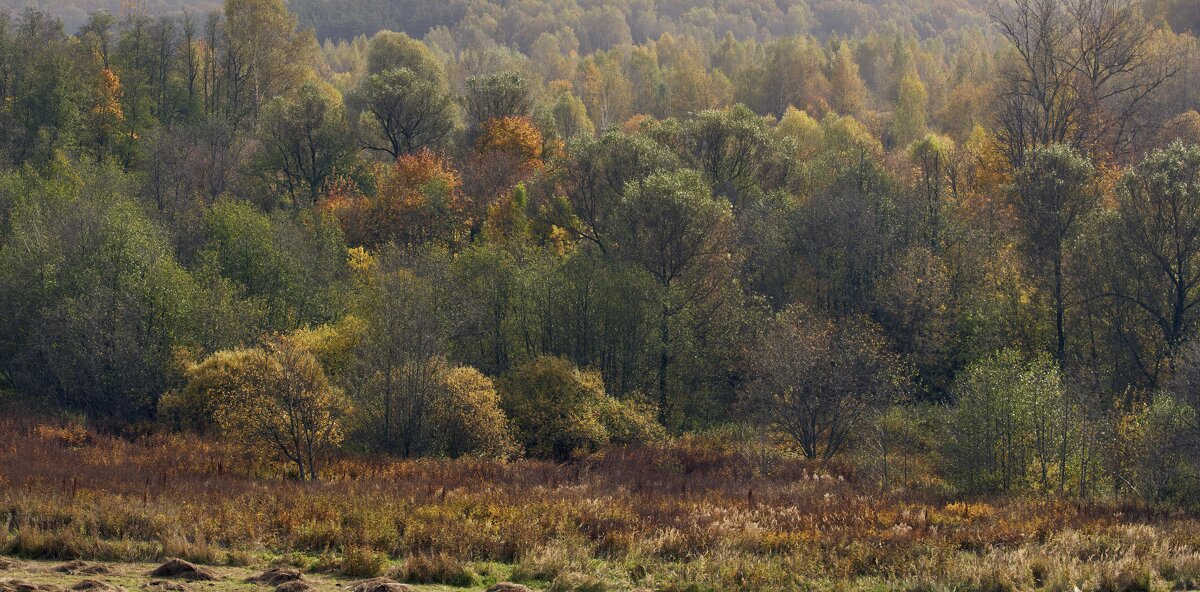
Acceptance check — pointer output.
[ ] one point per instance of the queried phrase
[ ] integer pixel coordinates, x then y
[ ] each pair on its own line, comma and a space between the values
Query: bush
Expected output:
469, 417
561, 411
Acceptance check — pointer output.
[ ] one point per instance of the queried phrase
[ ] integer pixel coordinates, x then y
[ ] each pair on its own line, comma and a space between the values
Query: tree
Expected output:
394, 375
732, 148
266, 56
389, 50
594, 177
497, 96
275, 398
673, 229
847, 93
817, 380
92, 297
1081, 73
469, 418
404, 112
105, 116
305, 140
1053, 194
1157, 232
908, 124
1011, 417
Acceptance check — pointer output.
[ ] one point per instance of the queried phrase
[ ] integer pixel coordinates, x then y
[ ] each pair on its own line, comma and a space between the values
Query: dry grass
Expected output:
689, 515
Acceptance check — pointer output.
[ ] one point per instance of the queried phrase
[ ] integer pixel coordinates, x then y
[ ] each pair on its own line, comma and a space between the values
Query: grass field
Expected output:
695, 514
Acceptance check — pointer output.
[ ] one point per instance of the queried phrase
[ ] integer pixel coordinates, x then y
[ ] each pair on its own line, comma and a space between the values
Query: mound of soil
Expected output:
379, 585
95, 586
508, 587
295, 586
23, 586
164, 586
82, 568
276, 576
182, 570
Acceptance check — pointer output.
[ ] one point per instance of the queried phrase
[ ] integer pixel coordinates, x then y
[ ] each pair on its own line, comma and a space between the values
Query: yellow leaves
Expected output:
361, 261
512, 134
274, 399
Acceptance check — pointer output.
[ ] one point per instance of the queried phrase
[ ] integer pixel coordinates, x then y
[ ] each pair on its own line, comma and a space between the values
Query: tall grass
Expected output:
688, 514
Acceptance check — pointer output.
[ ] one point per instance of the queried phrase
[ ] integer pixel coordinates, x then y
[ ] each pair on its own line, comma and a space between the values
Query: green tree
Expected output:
495, 96
1009, 415
561, 411
403, 112
305, 140
1158, 237
1053, 194
674, 230
389, 50
267, 56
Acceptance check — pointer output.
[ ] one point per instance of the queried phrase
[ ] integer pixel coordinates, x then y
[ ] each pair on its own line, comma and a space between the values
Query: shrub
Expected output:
469, 417
560, 410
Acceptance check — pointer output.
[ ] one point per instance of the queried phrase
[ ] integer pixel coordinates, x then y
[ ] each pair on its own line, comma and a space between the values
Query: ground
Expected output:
135, 576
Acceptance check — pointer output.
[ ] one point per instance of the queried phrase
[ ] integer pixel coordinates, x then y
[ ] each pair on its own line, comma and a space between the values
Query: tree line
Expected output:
979, 248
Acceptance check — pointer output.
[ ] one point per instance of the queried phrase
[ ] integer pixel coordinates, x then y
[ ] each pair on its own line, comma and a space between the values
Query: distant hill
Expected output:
75, 12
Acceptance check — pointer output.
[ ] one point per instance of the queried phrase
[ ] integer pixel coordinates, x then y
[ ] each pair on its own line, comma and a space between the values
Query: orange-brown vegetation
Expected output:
697, 512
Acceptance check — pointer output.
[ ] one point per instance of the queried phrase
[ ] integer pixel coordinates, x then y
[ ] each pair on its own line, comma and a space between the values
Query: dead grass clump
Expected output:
9, 564
69, 435
379, 585
295, 586
164, 586
95, 586
82, 568
182, 570
276, 576
1125, 579
362, 562
24, 586
439, 568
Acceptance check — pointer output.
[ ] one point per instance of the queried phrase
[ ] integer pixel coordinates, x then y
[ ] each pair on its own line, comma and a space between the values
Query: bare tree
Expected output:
1082, 71
817, 381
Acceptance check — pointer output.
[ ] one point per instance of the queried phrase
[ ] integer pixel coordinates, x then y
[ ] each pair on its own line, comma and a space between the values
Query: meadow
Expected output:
695, 513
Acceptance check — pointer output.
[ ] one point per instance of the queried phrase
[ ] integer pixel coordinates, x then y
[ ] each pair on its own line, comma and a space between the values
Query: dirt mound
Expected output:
508, 587
276, 576
379, 585
95, 586
295, 586
82, 568
164, 586
9, 564
23, 586
180, 569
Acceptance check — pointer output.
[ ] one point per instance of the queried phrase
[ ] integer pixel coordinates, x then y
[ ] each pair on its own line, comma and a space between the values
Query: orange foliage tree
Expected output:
509, 151
418, 200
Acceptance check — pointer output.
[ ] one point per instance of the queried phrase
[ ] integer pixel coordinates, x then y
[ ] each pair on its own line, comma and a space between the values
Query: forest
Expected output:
661, 259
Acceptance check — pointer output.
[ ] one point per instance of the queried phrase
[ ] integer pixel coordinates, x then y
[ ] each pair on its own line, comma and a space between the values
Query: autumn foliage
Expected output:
418, 199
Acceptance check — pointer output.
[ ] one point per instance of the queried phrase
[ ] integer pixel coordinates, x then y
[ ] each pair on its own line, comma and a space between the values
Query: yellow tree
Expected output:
275, 399
105, 117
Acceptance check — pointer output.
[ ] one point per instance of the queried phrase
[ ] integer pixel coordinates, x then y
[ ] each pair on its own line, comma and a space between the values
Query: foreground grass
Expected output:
135, 576
691, 515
